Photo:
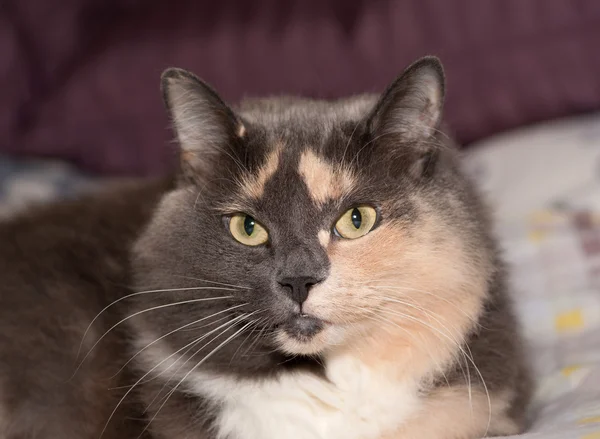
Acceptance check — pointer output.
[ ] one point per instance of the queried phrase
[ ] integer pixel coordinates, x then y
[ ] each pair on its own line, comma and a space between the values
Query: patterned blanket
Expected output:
545, 184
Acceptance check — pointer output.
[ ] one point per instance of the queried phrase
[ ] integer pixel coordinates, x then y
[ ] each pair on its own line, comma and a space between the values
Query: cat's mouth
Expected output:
303, 327
304, 334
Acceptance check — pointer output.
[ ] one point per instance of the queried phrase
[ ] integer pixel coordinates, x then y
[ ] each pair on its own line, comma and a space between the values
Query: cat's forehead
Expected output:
292, 171
299, 156
294, 174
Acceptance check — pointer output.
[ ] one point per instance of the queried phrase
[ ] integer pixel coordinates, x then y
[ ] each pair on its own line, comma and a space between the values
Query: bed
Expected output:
544, 184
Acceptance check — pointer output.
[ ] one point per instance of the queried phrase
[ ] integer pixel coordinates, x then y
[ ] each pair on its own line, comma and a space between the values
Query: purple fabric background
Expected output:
79, 78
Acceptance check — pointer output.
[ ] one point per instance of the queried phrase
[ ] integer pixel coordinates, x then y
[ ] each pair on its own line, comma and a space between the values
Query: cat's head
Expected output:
312, 225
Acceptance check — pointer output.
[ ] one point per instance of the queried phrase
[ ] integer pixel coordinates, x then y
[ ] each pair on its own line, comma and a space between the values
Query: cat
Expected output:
316, 269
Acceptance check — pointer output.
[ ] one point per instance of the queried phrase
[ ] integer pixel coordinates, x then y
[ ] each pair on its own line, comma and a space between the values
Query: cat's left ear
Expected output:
411, 107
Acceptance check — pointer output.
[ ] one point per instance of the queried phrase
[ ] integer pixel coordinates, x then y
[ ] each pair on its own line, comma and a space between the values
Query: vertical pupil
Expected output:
249, 225
356, 218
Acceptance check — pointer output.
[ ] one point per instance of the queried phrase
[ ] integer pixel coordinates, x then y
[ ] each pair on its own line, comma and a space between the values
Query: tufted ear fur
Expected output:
411, 107
404, 122
204, 124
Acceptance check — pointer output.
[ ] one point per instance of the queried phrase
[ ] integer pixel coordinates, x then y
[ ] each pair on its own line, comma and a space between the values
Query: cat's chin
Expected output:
305, 335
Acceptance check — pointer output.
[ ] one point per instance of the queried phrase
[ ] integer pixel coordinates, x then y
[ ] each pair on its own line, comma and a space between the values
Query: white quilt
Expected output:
544, 183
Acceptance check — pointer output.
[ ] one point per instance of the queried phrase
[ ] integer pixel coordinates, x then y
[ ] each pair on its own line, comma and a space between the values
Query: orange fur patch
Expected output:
187, 155
407, 295
253, 186
324, 237
241, 130
449, 413
324, 182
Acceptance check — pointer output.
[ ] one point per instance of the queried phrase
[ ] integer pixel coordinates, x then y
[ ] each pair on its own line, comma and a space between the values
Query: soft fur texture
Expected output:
405, 332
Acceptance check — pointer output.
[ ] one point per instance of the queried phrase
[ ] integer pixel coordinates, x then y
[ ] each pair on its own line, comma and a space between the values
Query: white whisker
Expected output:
198, 364
408, 289
229, 323
176, 330
350, 139
465, 355
138, 293
189, 346
257, 339
182, 302
431, 315
256, 323
379, 319
211, 282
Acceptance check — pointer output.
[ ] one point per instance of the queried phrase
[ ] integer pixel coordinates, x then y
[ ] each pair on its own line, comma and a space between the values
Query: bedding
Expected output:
25, 182
544, 182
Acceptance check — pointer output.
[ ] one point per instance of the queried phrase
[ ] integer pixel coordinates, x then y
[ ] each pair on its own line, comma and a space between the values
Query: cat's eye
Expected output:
356, 222
247, 230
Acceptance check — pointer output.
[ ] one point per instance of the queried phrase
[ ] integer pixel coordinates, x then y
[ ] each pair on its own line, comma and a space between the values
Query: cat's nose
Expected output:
298, 287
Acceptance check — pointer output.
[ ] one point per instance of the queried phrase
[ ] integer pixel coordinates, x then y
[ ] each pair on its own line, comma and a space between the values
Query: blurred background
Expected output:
80, 103
79, 79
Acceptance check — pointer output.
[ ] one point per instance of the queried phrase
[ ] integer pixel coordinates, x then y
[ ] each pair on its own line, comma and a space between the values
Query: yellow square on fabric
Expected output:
568, 370
542, 217
594, 435
590, 420
569, 321
537, 236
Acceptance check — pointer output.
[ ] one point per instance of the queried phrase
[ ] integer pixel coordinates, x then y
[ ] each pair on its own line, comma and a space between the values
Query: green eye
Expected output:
247, 230
356, 222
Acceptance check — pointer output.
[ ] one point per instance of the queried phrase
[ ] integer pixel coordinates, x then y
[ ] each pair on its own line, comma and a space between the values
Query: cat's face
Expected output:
311, 223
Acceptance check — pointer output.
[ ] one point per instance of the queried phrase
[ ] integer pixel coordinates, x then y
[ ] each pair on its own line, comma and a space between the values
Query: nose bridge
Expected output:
304, 260
303, 266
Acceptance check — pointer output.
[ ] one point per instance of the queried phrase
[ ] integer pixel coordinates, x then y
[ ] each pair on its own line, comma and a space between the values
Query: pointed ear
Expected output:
411, 107
203, 123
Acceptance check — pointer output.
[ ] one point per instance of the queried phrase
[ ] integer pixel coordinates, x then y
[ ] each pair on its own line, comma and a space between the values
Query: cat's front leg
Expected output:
453, 413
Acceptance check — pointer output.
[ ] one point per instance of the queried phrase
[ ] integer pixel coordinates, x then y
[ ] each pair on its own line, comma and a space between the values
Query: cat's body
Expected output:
61, 265
259, 311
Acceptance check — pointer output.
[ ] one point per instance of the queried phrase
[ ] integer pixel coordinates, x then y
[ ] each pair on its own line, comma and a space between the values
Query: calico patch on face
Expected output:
253, 184
324, 181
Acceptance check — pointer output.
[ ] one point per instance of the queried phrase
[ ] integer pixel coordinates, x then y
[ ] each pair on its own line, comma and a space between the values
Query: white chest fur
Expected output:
358, 403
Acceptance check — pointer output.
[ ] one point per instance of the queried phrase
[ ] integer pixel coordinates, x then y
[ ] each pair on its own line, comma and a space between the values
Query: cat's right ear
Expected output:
204, 124
411, 108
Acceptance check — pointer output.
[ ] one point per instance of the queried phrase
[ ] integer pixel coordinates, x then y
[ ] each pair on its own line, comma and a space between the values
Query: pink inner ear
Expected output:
428, 116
